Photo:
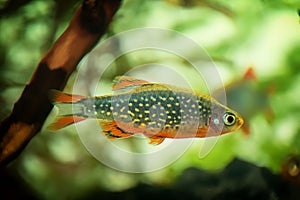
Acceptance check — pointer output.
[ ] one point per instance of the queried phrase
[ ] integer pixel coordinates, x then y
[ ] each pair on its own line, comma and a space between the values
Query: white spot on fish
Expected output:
216, 121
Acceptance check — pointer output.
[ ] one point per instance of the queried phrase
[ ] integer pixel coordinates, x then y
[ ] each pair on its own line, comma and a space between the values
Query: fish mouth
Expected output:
240, 122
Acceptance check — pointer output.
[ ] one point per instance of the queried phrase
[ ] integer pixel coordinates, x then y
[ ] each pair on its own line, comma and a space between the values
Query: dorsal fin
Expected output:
127, 82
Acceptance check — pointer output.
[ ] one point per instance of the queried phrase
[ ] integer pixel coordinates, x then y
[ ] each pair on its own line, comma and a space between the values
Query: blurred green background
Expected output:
264, 34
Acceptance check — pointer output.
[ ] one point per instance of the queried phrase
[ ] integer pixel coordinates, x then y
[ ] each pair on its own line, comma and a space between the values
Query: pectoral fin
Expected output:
156, 140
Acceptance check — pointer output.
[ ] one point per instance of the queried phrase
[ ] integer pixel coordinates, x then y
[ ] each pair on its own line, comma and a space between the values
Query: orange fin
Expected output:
112, 131
57, 96
156, 140
127, 82
64, 121
250, 74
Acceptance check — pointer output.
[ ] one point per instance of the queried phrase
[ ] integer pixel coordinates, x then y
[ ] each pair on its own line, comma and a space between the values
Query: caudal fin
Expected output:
69, 109
63, 121
57, 96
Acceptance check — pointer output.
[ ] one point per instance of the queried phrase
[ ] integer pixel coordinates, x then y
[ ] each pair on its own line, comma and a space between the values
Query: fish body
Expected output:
155, 110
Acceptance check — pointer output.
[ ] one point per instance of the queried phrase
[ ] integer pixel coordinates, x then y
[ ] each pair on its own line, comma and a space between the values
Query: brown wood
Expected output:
30, 111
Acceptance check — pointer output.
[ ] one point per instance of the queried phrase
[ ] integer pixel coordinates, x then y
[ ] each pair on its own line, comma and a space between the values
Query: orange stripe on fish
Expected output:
117, 129
60, 97
64, 121
112, 130
123, 82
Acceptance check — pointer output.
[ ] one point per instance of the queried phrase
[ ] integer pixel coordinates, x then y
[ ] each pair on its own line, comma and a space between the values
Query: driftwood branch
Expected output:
30, 111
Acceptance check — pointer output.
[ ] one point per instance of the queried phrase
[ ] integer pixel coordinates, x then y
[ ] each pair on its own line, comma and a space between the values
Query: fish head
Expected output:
224, 120
232, 121
249, 96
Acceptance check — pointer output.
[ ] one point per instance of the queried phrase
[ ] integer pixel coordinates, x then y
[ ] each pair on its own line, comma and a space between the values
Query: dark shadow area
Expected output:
239, 180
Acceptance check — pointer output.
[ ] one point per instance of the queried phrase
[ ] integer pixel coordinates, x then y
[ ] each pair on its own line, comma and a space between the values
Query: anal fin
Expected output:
112, 131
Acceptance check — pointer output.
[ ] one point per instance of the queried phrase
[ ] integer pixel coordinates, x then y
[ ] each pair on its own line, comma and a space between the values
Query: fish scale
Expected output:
176, 109
156, 110
163, 107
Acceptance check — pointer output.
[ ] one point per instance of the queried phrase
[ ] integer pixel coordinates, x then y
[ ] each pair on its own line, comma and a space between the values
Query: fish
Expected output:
155, 110
247, 97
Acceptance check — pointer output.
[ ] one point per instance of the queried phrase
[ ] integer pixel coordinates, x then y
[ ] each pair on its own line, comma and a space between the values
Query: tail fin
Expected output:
63, 121
57, 96
69, 109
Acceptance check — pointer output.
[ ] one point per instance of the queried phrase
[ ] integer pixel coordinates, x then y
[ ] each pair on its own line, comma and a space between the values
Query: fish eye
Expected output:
229, 119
